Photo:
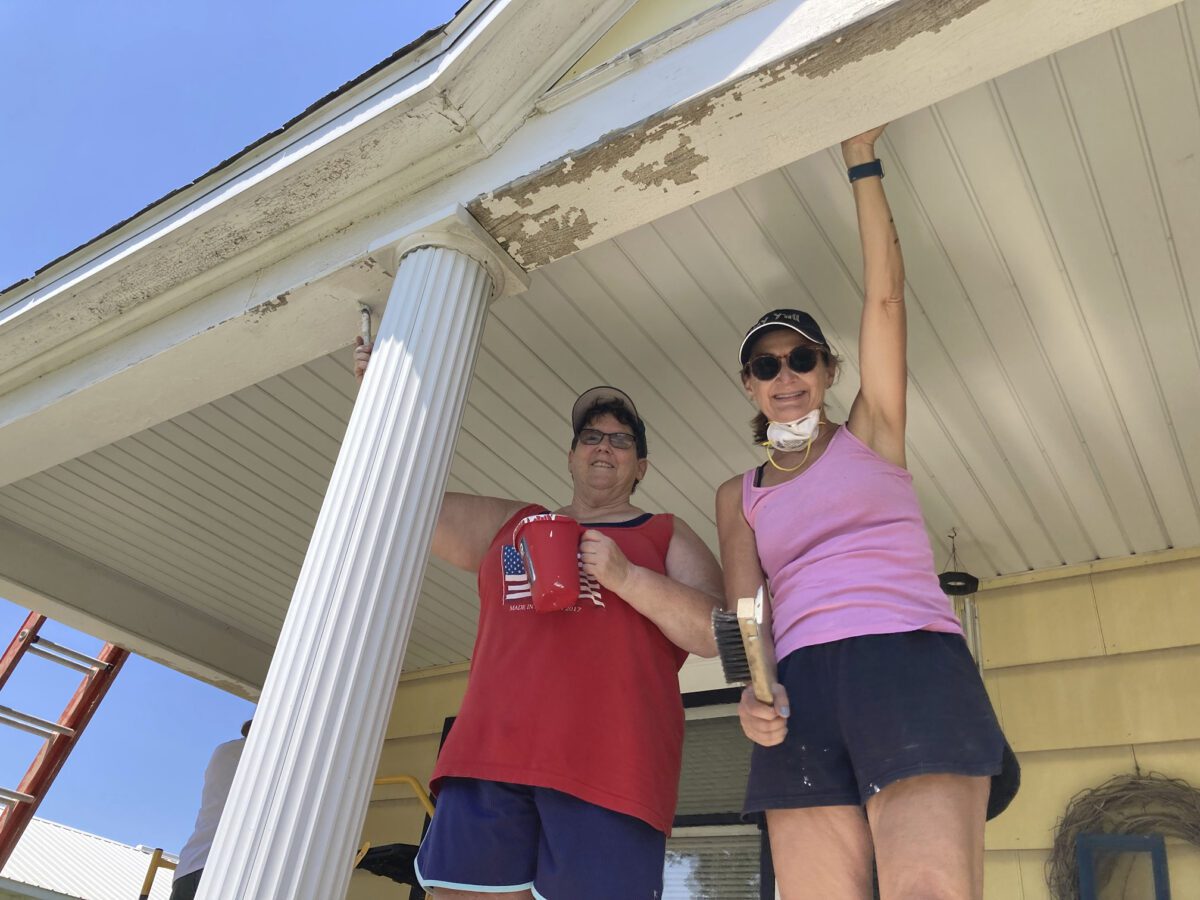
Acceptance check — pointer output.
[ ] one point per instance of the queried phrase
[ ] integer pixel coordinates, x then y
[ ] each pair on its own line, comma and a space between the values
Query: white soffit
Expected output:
1046, 217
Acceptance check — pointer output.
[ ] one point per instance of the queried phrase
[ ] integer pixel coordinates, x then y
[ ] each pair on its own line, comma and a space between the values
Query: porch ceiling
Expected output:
1050, 220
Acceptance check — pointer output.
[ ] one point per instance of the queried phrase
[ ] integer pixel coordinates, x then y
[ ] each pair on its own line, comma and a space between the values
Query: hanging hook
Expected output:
952, 562
953, 581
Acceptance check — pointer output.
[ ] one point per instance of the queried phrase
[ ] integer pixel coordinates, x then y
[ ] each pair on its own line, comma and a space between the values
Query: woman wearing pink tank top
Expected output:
882, 744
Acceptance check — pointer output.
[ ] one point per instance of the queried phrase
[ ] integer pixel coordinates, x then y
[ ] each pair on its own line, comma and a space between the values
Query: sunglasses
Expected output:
766, 366
618, 440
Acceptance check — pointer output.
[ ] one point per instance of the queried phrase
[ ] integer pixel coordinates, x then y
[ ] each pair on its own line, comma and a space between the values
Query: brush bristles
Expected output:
730, 647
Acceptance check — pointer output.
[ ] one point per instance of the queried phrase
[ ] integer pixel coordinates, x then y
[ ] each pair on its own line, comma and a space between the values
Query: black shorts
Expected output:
868, 711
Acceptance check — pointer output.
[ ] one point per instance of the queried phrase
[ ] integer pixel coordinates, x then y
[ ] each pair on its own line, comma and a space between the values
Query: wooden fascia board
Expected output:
223, 235
158, 217
42, 575
402, 126
834, 80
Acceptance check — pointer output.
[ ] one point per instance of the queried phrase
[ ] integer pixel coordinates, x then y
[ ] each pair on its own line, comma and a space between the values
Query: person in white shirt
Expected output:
218, 778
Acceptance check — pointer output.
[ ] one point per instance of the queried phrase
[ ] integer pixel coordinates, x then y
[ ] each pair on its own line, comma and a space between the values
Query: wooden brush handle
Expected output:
760, 654
762, 672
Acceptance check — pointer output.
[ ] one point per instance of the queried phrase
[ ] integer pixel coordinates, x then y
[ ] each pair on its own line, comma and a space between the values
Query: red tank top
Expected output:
585, 701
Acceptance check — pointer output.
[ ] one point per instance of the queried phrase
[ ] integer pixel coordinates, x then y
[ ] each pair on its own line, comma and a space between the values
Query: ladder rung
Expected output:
14, 797
72, 659
32, 724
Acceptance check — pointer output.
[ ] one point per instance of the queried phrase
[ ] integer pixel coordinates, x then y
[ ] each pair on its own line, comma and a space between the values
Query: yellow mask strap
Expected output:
795, 468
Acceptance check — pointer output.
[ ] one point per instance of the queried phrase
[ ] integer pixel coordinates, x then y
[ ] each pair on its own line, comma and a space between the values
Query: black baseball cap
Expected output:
595, 395
797, 320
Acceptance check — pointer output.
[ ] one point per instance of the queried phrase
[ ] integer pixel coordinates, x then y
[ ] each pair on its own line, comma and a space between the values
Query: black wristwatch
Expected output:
865, 170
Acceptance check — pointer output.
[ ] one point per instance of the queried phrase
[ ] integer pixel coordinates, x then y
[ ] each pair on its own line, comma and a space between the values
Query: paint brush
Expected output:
364, 327
745, 646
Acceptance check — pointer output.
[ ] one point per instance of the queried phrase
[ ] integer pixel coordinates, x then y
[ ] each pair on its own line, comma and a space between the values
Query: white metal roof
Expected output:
75, 864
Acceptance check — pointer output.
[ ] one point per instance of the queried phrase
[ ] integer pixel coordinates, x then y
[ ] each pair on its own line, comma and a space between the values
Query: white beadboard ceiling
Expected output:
1051, 227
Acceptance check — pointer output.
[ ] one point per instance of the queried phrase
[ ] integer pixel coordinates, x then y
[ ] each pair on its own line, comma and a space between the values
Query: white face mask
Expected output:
794, 435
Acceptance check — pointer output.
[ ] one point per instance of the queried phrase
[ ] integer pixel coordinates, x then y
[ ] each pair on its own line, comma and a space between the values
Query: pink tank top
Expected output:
845, 551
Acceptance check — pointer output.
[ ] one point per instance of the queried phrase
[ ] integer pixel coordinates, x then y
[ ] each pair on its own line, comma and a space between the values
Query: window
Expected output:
712, 854
713, 863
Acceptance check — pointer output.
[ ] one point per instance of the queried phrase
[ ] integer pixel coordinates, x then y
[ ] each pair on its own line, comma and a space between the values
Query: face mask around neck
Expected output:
795, 435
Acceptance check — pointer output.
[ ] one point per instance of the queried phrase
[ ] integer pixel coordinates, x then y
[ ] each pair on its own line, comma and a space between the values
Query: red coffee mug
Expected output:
549, 548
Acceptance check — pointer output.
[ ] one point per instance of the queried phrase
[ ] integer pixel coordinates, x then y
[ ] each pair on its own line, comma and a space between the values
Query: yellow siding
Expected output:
424, 701
1039, 623
1093, 675
1012, 875
1002, 876
1048, 781
1099, 702
1033, 874
1183, 865
1147, 609
1179, 760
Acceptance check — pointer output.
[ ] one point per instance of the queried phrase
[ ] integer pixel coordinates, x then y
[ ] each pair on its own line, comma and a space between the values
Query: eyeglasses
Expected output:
767, 366
618, 440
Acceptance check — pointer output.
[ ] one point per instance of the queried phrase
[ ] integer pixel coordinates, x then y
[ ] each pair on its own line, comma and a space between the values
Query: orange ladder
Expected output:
18, 806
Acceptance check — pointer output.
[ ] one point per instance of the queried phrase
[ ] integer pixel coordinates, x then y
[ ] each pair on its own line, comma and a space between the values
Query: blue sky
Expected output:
108, 106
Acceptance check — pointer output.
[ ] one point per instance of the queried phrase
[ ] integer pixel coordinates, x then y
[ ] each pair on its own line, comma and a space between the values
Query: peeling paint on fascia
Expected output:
602, 156
553, 227
268, 306
678, 166
535, 237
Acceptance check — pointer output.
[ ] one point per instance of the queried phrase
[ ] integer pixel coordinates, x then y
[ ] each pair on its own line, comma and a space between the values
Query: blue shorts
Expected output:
868, 711
493, 837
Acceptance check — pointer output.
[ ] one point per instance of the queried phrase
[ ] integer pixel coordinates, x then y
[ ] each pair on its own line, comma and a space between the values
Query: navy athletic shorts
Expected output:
491, 837
868, 711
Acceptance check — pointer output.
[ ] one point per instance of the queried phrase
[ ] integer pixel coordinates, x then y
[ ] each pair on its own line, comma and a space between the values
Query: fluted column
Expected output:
300, 796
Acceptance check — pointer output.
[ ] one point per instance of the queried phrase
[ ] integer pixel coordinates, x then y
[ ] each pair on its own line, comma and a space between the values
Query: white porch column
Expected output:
293, 818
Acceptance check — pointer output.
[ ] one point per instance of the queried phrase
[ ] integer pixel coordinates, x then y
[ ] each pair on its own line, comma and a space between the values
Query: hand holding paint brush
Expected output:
745, 646
747, 654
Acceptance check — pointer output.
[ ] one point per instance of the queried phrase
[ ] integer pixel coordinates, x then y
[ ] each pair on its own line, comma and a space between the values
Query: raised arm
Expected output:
466, 524
877, 417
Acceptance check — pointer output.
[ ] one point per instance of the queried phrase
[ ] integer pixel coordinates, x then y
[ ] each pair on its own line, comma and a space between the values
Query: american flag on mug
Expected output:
516, 579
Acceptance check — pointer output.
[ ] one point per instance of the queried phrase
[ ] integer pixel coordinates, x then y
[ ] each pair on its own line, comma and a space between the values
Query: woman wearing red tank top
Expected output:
558, 780
882, 745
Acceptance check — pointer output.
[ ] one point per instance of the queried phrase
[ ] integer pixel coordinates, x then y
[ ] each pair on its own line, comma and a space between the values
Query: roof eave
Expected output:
439, 106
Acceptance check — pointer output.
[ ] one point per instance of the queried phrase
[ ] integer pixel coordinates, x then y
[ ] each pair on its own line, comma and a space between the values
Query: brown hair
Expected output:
621, 413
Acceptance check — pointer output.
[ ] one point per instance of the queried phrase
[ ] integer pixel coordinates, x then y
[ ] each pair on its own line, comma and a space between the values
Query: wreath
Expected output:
1126, 804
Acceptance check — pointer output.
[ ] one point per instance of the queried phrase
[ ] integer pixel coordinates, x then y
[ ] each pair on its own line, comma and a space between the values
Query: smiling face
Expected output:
790, 395
603, 469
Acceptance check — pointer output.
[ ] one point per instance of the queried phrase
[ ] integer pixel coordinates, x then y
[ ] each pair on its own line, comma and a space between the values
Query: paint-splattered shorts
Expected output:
869, 711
